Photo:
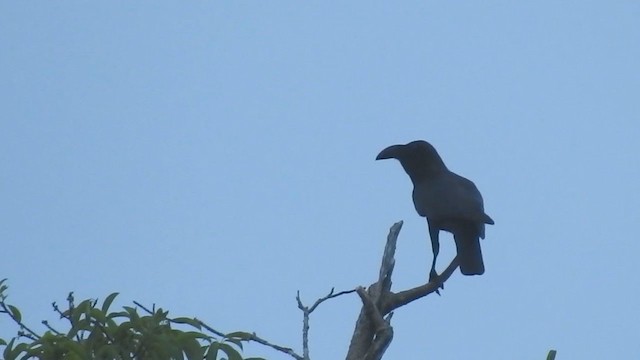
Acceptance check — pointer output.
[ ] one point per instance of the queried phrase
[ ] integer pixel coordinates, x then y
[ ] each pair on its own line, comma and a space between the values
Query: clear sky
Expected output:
215, 157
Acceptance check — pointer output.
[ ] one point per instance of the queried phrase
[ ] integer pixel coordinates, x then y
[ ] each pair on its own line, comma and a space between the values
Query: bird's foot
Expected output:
434, 277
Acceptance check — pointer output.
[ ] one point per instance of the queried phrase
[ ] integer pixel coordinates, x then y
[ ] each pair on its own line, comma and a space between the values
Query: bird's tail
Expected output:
469, 252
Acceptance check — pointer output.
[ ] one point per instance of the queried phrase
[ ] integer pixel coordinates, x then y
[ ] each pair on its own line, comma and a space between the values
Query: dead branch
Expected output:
306, 311
373, 332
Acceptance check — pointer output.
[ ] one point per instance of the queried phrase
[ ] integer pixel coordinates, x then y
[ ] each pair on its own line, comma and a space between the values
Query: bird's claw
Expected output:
434, 277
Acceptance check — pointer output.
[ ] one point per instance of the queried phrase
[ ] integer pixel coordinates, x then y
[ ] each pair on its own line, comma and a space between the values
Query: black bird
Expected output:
449, 201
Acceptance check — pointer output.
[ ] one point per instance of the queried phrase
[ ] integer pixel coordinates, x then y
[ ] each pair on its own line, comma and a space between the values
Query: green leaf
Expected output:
81, 309
132, 314
236, 342
84, 306
7, 353
73, 331
107, 352
232, 353
242, 335
189, 321
15, 313
192, 349
3, 287
2, 342
22, 347
12, 353
551, 355
107, 302
98, 315
212, 352
195, 335
75, 350
118, 314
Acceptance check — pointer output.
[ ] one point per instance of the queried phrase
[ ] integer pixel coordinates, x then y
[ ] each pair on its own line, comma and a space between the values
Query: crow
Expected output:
449, 201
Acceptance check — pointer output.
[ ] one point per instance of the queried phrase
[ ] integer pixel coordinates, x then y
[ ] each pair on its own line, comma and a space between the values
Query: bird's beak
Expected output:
392, 152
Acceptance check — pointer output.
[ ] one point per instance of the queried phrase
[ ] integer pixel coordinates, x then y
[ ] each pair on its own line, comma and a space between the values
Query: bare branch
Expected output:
57, 310
383, 329
373, 333
394, 301
365, 333
306, 311
286, 350
147, 310
305, 325
388, 257
331, 295
210, 329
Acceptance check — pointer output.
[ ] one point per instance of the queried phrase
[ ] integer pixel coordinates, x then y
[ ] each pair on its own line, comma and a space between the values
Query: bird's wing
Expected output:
449, 196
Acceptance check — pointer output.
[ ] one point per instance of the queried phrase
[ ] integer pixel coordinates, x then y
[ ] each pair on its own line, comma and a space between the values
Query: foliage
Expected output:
95, 333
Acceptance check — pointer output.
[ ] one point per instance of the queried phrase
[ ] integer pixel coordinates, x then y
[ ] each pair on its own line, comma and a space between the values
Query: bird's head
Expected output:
418, 158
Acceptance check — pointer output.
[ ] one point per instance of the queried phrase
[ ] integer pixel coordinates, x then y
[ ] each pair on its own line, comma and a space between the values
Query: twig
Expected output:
286, 350
147, 310
57, 309
30, 333
219, 333
331, 295
306, 311
256, 338
70, 300
46, 323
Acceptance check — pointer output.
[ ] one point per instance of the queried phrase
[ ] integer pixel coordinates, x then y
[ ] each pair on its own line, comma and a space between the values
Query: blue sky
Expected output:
216, 157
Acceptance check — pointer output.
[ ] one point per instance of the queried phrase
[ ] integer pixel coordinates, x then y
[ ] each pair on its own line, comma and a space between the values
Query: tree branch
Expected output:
396, 300
11, 311
364, 335
306, 311
373, 333
286, 350
383, 330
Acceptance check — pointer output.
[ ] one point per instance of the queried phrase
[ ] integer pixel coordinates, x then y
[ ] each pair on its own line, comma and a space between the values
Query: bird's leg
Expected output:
435, 247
